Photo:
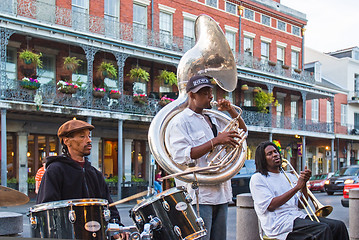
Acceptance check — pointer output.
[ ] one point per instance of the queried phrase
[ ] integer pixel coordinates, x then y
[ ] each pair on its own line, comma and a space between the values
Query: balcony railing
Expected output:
112, 29
48, 94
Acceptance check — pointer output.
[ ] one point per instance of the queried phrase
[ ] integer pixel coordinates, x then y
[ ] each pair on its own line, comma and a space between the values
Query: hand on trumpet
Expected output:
303, 178
227, 138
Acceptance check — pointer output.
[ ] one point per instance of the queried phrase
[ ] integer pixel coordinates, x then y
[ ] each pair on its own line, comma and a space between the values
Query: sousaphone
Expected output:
211, 56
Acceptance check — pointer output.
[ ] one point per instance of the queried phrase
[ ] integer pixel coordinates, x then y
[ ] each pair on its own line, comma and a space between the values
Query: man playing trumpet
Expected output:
192, 135
277, 205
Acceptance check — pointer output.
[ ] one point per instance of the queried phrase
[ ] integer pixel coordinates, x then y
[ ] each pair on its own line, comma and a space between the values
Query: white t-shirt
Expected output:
189, 129
278, 223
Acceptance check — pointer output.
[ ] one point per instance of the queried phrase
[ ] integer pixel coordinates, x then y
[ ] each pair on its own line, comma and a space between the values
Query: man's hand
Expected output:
225, 138
303, 178
224, 105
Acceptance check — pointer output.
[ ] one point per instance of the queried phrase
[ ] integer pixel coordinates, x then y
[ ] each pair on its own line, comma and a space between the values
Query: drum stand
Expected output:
195, 187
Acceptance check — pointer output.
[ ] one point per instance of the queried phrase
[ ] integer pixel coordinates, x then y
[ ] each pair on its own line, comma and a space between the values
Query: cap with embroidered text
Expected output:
197, 82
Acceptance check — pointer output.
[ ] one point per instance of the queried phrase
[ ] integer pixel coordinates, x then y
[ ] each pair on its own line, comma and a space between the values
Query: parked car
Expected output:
344, 176
240, 182
347, 187
316, 182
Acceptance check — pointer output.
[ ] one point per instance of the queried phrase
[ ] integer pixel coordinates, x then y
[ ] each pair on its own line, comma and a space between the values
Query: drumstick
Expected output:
137, 195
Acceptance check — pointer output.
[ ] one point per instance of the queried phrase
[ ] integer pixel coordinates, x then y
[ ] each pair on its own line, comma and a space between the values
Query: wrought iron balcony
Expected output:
111, 28
82, 99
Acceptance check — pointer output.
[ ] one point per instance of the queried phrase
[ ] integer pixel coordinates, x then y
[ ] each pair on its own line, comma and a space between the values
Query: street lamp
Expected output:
240, 12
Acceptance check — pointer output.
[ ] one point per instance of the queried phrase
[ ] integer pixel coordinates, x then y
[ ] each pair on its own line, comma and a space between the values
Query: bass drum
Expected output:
70, 219
177, 217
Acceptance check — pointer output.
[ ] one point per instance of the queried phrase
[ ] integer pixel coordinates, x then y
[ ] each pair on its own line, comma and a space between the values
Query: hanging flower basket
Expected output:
297, 70
98, 92
244, 87
114, 94
285, 66
66, 87
140, 99
164, 101
257, 89
270, 63
30, 83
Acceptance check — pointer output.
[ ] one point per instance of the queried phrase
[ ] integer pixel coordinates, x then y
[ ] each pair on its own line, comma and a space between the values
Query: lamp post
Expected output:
240, 11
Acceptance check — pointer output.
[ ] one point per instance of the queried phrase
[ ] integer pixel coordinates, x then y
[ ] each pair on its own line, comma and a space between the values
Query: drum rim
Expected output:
67, 202
156, 197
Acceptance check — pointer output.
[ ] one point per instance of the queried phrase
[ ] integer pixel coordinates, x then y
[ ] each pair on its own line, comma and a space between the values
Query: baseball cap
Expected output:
73, 126
197, 82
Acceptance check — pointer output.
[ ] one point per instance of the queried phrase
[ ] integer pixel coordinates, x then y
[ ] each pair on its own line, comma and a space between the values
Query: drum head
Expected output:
66, 203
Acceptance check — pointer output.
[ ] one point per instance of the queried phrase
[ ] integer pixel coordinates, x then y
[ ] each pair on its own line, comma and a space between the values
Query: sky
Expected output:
332, 25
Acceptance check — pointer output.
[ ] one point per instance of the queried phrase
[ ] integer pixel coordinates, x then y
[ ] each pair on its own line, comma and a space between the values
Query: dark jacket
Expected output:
65, 179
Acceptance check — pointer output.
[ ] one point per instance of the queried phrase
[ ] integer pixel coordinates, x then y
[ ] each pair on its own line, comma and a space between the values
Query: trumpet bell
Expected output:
324, 211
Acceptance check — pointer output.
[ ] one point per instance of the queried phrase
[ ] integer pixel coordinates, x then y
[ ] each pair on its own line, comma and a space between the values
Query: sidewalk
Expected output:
24, 210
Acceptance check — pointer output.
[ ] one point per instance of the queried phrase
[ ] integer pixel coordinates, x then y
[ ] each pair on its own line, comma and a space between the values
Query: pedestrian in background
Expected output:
39, 175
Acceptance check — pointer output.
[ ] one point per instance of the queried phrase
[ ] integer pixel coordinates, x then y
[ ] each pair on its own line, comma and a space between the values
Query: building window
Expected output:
111, 17
281, 25
249, 14
295, 59
264, 51
248, 99
280, 55
80, 5
265, 20
356, 120
81, 75
139, 24
248, 46
329, 112
280, 111
212, 3
188, 34
293, 110
296, 30
11, 72
231, 7
315, 110
79, 14
343, 112
356, 85
166, 29
47, 72
231, 38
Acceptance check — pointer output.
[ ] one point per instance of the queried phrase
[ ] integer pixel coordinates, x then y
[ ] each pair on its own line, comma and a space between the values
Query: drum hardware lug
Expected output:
33, 222
178, 232
138, 219
156, 223
165, 205
200, 222
188, 199
94, 234
72, 216
107, 215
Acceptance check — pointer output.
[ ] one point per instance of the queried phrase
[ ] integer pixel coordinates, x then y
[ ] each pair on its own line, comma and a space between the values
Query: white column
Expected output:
127, 158
94, 157
22, 151
3, 149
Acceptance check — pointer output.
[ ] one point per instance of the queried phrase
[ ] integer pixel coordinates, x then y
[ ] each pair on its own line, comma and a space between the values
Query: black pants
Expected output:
326, 229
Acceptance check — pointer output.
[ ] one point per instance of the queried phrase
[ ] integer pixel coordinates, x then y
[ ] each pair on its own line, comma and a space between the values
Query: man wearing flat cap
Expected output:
70, 175
191, 136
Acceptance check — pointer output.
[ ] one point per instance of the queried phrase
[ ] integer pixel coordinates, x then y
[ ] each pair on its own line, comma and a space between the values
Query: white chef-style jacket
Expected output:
185, 131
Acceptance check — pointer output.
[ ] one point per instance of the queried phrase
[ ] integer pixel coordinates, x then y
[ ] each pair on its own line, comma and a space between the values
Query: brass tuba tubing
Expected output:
320, 209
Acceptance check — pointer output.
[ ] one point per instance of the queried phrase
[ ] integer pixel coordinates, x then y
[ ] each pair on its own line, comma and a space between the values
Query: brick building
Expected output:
265, 36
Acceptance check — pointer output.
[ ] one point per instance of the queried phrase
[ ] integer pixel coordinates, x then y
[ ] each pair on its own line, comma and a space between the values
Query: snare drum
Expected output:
70, 219
177, 216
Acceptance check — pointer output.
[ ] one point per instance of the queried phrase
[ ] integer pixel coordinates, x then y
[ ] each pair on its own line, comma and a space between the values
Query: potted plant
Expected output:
29, 83
107, 69
72, 63
264, 100
98, 92
167, 77
29, 57
165, 100
67, 87
244, 87
285, 66
297, 70
270, 63
139, 74
140, 98
115, 94
257, 89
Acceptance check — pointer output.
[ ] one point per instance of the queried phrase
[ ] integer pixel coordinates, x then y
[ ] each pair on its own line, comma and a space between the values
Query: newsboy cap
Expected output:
197, 82
73, 126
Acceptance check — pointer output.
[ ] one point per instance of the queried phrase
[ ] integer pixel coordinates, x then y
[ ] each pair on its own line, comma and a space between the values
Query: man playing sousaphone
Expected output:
277, 204
192, 135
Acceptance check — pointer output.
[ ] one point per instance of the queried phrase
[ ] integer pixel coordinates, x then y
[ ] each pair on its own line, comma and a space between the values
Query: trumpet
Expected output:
320, 209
